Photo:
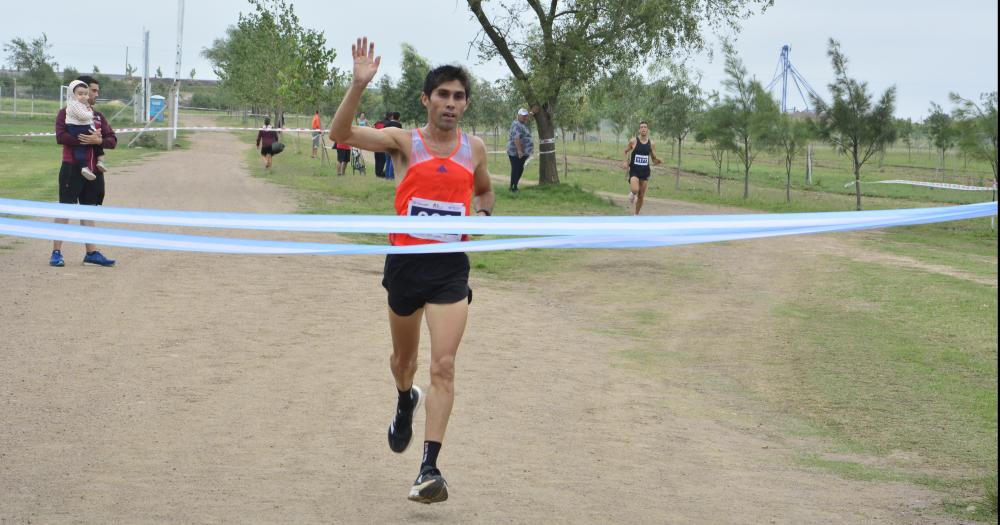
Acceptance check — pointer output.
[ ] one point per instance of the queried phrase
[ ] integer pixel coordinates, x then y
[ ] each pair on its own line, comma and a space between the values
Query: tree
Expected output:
752, 115
715, 130
129, 70
573, 42
191, 74
69, 74
411, 85
905, 131
269, 60
159, 72
793, 135
33, 58
854, 122
619, 98
942, 131
678, 106
977, 124
26, 56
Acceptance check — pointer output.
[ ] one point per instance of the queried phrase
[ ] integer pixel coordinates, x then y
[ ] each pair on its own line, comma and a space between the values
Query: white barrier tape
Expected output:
164, 241
538, 225
942, 185
547, 141
185, 128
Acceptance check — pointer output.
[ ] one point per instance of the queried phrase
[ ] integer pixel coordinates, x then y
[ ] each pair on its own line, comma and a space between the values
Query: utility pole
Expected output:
146, 91
175, 95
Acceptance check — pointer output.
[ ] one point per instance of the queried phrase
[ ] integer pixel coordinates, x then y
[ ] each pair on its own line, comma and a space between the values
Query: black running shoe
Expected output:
430, 487
401, 428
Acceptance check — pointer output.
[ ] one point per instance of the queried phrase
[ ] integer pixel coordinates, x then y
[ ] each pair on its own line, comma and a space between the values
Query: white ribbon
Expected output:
587, 232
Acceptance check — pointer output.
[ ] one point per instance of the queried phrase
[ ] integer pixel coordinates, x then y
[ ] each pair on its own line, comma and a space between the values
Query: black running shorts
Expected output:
638, 174
266, 150
74, 189
343, 155
414, 280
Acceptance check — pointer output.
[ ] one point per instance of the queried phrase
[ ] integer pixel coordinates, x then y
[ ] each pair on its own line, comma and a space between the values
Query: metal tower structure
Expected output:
785, 71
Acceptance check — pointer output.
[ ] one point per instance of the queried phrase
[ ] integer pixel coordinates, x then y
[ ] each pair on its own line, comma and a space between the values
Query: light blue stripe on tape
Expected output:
166, 241
543, 226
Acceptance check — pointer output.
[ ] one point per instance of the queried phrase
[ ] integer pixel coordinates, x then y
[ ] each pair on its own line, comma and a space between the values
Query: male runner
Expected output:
443, 172
638, 153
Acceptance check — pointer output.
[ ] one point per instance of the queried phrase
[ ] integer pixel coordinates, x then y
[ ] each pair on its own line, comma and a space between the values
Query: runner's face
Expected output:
446, 105
643, 130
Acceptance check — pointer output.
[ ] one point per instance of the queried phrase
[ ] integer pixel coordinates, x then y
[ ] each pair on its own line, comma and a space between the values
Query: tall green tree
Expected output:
906, 134
677, 107
268, 60
854, 122
977, 124
942, 131
793, 136
551, 45
752, 114
411, 85
620, 100
32, 57
714, 130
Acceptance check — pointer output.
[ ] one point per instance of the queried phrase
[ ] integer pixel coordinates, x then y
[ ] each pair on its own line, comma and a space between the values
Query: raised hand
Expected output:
365, 62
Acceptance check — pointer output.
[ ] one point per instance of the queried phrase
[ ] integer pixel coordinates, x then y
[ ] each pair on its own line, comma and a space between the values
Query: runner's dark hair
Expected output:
88, 79
442, 74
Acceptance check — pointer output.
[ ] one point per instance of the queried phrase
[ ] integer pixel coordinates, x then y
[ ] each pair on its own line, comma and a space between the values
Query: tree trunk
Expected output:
548, 168
746, 169
788, 179
677, 180
718, 181
857, 182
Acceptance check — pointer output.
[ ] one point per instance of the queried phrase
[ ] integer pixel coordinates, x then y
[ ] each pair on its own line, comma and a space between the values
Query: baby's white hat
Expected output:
73, 84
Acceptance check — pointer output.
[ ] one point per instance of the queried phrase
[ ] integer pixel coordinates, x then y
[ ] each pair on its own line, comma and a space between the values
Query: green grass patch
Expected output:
895, 363
31, 165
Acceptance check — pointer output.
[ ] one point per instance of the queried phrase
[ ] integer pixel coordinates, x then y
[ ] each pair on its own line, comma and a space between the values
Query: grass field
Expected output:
32, 164
894, 368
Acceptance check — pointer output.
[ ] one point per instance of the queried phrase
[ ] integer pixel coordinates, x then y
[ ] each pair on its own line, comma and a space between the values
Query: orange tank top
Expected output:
434, 186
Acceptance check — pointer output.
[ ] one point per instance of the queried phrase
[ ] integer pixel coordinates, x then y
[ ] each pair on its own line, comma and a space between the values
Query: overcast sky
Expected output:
926, 48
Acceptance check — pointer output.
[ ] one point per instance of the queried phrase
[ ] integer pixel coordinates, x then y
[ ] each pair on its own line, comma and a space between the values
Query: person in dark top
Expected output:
267, 137
391, 122
380, 155
638, 154
73, 187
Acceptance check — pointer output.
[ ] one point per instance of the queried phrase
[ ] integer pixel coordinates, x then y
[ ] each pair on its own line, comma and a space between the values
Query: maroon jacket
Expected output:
268, 137
110, 140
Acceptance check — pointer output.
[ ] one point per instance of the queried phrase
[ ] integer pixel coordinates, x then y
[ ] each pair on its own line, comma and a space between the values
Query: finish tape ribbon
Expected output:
552, 232
941, 185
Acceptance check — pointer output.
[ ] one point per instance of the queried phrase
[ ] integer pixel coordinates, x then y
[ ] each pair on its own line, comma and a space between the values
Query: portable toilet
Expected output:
156, 105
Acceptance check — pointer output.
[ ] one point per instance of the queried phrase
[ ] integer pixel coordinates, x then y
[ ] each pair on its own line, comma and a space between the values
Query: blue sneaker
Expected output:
56, 259
95, 257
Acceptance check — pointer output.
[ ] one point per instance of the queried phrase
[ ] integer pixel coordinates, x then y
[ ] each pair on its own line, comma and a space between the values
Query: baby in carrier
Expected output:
80, 120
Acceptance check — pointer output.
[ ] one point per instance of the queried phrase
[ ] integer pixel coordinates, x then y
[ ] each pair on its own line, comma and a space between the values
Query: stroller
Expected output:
357, 161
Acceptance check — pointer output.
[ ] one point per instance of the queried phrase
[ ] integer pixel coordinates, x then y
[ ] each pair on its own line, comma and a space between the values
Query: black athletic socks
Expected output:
431, 449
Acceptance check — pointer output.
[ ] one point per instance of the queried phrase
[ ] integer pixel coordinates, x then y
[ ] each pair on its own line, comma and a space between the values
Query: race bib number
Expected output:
641, 160
425, 207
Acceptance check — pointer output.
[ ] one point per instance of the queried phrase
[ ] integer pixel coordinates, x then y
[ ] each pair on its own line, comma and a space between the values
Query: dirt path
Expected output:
186, 387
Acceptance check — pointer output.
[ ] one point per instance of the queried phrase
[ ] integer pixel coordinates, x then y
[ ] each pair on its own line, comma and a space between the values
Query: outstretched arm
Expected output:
342, 131
652, 154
